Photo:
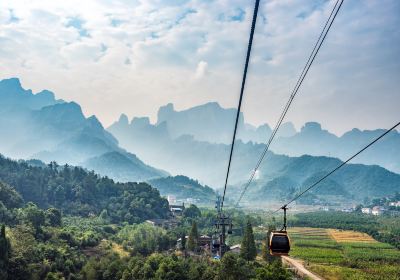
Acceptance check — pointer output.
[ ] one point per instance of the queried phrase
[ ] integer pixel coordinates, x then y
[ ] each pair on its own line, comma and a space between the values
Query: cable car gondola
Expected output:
279, 242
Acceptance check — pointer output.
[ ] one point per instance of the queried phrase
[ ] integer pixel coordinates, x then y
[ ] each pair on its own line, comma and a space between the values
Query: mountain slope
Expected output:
353, 182
183, 187
126, 167
39, 126
76, 191
212, 123
207, 162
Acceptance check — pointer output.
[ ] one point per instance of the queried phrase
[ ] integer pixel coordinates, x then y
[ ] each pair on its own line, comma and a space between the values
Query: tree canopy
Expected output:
248, 249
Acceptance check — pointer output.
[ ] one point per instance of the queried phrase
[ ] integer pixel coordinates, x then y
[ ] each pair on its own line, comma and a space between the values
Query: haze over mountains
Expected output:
213, 124
180, 143
195, 143
39, 126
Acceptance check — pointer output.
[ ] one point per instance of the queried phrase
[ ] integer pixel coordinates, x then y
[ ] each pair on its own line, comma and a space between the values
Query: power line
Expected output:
303, 74
253, 24
338, 167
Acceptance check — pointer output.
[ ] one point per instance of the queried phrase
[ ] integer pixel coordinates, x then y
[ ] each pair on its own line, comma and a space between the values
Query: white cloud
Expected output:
138, 56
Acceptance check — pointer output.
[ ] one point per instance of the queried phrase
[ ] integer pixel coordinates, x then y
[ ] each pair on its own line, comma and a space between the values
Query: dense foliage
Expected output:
64, 222
78, 192
144, 239
173, 267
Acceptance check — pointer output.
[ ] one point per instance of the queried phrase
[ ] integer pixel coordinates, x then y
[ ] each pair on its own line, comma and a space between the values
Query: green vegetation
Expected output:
4, 252
344, 260
193, 239
183, 187
144, 239
62, 222
383, 228
248, 250
76, 191
172, 267
192, 212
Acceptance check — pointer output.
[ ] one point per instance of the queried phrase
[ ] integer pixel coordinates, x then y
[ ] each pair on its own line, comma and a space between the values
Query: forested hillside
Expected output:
79, 192
63, 222
183, 187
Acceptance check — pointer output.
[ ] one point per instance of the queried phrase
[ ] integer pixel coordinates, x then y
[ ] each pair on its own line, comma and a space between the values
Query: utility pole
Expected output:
284, 208
221, 224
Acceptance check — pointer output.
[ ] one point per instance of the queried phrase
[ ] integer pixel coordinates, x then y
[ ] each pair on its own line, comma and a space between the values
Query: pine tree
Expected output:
193, 238
183, 242
248, 250
265, 250
4, 252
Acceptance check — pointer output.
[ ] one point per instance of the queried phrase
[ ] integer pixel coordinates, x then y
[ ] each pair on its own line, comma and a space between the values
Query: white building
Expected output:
366, 210
235, 249
191, 200
394, 203
171, 199
348, 210
378, 210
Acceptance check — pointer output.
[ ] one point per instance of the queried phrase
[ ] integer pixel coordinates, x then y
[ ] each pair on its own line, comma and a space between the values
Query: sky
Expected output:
120, 56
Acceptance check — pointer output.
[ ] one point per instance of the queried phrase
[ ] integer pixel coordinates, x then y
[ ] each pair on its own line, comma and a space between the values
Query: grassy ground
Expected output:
337, 254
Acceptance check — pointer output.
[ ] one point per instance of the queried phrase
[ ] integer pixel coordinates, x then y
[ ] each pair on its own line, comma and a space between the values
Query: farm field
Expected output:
340, 254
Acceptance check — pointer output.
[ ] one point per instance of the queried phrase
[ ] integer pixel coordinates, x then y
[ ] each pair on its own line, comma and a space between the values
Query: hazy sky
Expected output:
120, 56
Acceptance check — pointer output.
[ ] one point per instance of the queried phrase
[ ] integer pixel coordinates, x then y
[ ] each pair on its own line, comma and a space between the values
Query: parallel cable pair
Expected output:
303, 74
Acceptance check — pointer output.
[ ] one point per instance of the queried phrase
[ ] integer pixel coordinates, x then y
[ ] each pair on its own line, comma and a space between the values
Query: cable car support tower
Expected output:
223, 225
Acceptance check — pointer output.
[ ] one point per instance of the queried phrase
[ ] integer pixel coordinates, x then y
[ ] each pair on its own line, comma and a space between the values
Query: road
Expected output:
299, 268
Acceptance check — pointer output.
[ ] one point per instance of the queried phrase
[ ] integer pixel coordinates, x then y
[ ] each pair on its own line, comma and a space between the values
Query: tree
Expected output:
192, 212
183, 242
33, 215
53, 217
171, 269
248, 250
9, 197
193, 238
4, 252
264, 250
104, 216
234, 268
273, 271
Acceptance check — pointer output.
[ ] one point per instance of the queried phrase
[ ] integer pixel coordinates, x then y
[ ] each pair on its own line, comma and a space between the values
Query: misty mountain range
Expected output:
212, 123
180, 143
39, 126
194, 143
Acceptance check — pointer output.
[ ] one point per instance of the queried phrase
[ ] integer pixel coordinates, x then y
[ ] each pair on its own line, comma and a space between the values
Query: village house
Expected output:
177, 210
235, 249
164, 223
395, 203
203, 242
366, 210
378, 210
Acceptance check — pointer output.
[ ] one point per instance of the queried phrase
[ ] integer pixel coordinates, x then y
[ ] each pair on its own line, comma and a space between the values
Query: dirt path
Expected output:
299, 268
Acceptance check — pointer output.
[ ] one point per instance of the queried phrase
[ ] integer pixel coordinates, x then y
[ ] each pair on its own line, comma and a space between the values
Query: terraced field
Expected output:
338, 254
350, 236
